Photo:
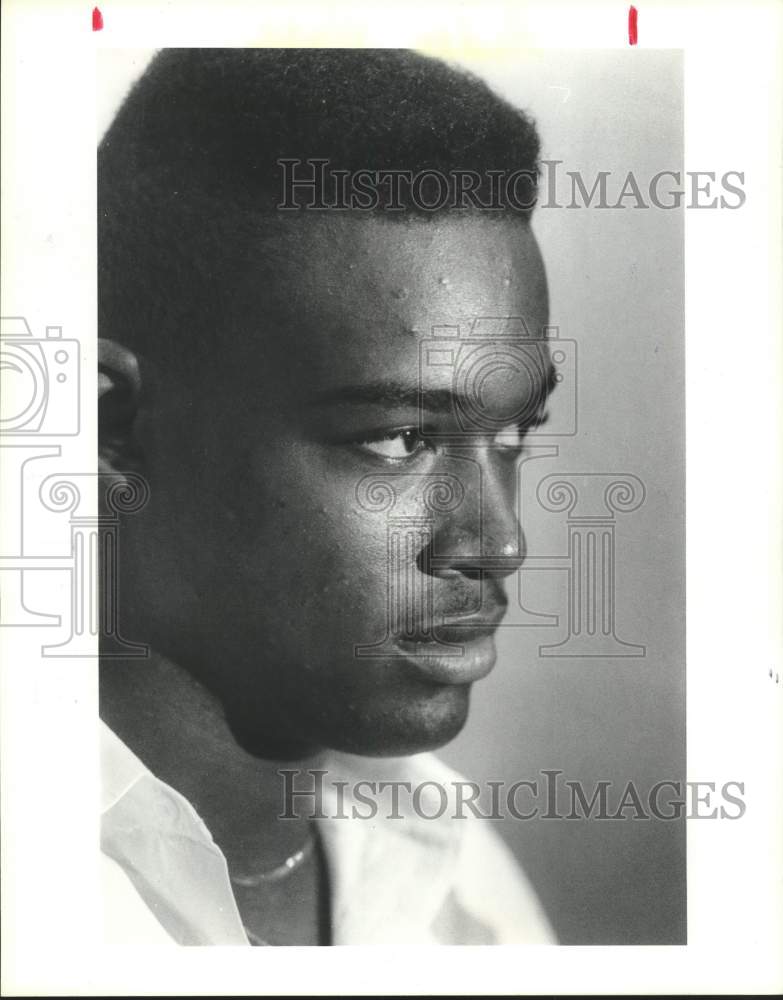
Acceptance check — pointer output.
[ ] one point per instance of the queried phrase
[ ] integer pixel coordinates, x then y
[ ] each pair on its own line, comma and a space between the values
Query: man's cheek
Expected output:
307, 558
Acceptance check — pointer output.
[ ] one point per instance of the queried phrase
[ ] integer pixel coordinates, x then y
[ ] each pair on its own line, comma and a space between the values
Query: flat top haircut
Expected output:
189, 183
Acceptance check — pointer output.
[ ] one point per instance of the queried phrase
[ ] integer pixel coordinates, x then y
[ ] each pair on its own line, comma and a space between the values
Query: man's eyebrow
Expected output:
388, 394
399, 394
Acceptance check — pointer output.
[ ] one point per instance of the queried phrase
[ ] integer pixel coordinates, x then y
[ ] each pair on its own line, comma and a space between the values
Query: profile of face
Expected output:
326, 541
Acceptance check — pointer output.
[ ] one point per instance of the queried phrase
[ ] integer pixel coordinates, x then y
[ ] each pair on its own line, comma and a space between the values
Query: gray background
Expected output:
616, 287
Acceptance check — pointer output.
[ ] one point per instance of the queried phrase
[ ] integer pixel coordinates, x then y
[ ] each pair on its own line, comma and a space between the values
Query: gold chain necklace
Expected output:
281, 871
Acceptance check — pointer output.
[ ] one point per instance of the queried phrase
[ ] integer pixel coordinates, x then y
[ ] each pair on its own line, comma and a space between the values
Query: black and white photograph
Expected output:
385, 437
348, 538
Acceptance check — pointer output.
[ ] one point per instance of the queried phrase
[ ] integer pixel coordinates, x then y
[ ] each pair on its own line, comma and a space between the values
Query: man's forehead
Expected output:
353, 300
417, 273
383, 248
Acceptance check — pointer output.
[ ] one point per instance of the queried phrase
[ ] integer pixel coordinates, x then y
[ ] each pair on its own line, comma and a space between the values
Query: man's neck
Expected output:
179, 731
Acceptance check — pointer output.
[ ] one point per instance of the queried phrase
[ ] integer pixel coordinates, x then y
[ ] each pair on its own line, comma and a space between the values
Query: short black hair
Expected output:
188, 172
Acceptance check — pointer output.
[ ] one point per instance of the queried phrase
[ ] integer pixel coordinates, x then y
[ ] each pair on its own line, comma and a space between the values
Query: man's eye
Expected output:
396, 444
511, 437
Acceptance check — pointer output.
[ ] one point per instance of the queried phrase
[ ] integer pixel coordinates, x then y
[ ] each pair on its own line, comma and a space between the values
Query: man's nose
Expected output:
483, 536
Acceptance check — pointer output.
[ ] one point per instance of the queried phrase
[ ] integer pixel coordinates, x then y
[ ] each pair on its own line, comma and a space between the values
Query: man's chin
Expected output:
395, 722
421, 726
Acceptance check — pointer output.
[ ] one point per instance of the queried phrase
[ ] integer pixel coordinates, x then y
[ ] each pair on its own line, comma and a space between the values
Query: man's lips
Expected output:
456, 634
452, 627
457, 653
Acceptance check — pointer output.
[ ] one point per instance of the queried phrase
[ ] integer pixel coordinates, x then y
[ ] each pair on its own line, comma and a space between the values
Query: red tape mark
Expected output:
97, 20
633, 31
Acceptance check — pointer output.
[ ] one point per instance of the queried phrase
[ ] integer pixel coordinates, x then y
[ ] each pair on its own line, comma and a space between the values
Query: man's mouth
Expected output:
454, 653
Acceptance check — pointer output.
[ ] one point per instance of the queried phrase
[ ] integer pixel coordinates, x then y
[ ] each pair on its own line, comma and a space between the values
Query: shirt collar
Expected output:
389, 877
120, 767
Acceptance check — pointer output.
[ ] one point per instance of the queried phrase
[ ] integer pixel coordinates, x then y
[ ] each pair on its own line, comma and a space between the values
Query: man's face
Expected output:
327, 537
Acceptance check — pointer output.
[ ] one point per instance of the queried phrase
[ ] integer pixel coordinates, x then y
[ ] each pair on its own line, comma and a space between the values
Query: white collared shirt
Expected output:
409, 880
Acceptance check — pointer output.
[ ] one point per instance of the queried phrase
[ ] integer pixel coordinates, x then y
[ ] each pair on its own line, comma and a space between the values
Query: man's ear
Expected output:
119, 390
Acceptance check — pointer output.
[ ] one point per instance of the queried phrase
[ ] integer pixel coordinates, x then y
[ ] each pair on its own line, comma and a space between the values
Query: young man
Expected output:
320, 567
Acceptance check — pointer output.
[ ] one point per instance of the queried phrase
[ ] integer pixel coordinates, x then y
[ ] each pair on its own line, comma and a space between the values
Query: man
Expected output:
261, 368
